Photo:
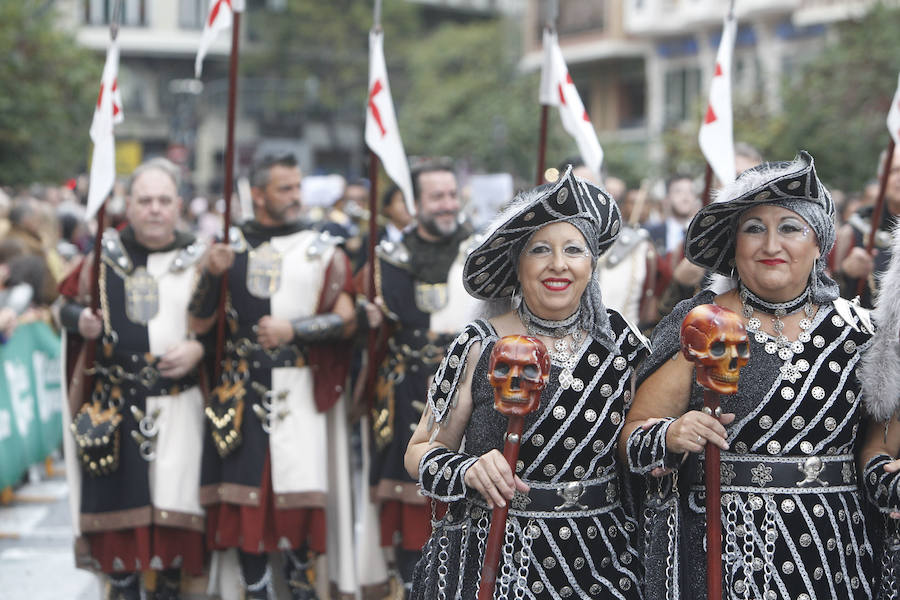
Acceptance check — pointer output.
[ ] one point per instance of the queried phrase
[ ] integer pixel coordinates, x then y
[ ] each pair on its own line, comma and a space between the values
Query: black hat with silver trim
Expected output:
490, 269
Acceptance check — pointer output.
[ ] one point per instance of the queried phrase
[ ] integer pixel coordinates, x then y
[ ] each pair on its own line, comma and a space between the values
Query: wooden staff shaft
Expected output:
713, 507
498, 515
372, 336
228, 185
707, 185
875, 221
90, 349
542, 146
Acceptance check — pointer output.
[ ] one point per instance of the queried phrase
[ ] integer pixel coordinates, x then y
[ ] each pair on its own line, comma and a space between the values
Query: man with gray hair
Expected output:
277, 447
137, 436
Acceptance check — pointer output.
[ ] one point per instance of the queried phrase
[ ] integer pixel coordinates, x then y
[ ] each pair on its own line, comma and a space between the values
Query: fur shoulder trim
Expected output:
880, 369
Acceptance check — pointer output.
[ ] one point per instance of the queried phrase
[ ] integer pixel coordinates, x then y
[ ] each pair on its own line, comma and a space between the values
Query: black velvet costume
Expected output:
789, 530
554, 548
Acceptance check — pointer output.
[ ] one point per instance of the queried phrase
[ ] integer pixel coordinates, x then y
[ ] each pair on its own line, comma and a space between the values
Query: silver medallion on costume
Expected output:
141, 296
431, 297
264, 270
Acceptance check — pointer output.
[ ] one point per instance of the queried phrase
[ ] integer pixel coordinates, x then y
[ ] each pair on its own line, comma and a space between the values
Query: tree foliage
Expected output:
313, 57
48, 86
834, 106
468, 100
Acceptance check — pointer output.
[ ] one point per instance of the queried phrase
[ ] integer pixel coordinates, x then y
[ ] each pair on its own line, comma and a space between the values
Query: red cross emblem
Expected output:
115, 106
376, 89
214, 12
562, 96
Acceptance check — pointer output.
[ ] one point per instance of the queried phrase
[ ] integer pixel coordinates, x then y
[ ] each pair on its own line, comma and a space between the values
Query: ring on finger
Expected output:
699, 439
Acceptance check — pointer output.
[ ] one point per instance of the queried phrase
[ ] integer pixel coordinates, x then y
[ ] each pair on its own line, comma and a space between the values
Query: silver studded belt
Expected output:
566, 498
786, 474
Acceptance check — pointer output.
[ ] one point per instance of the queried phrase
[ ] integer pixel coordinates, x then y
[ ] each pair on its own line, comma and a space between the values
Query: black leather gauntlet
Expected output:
69, 313
319, 328
881, 486
205, 300
442, 473
647, 448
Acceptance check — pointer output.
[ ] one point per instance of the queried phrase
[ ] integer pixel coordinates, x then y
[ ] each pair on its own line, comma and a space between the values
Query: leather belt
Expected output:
562, 499
786, 474
260, 358
135, 372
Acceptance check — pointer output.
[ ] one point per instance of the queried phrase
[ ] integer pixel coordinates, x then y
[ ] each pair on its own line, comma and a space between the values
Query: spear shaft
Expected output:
875, 221
90, 349
228, 184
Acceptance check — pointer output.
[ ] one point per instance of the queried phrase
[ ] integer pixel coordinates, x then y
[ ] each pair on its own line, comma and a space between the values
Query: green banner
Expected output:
30, 399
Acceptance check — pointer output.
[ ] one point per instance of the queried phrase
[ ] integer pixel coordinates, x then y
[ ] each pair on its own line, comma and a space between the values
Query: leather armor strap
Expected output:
319, 328
205, 299
69, 313
647, 450
442, 474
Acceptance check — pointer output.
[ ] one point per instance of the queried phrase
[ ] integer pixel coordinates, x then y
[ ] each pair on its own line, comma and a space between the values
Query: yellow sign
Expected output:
129, 154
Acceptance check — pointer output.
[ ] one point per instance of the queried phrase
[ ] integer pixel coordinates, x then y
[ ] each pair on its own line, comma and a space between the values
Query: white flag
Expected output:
558, 90
382, 133
893, 118
218, 20
716, 133
107, 113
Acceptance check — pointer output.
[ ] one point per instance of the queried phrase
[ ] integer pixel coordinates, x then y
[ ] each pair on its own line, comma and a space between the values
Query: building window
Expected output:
682, 89
574, 16
632, 96
99, 12
192, 13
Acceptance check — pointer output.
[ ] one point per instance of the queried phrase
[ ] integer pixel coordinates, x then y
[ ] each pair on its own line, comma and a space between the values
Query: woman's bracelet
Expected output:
442, 473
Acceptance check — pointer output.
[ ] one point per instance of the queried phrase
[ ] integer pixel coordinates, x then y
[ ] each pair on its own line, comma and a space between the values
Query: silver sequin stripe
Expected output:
555, 410
440, 407
455, 484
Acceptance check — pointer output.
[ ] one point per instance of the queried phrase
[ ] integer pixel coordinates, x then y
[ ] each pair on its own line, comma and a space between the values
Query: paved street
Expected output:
36, 561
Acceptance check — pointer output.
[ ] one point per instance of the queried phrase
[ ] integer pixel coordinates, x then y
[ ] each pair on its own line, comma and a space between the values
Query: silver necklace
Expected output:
785, 348
568, 337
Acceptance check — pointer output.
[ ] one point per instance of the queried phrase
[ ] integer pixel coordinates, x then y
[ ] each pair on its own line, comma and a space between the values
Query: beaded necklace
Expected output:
565, 351
750, 303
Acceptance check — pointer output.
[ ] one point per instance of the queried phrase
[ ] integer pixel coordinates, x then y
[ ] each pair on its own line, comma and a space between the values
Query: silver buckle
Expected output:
571, 493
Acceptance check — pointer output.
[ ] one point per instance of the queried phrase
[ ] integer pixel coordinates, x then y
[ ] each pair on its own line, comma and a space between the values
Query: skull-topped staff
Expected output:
518, 372
715, 340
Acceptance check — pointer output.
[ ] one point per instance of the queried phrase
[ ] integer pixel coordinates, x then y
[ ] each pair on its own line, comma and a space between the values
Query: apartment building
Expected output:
644, 66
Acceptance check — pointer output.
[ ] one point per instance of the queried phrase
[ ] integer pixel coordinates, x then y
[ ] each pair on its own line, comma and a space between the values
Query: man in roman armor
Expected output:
419, 283
134, 456
275, 466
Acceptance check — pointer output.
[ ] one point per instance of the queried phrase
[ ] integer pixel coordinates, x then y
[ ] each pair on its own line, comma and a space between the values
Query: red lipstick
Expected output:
773, 261
556, 285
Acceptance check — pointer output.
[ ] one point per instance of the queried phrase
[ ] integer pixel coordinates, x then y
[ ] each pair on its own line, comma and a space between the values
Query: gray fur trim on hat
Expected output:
710, 238
490, 270
880, 365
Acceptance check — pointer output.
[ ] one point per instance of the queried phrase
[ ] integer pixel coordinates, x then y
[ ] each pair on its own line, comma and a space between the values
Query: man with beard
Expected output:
419, 286
139, 436
850, 256
680, 204
275, 466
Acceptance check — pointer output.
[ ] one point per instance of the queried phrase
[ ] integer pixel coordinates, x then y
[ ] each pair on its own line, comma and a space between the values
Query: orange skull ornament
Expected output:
715, 340
518, 371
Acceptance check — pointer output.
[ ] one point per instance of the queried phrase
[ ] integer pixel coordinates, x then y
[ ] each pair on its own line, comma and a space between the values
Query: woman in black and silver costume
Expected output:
792, 518
567, 535
880, 374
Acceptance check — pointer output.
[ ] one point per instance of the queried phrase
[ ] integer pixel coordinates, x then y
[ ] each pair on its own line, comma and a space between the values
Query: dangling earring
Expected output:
813, 281
515, 299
